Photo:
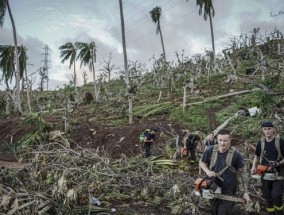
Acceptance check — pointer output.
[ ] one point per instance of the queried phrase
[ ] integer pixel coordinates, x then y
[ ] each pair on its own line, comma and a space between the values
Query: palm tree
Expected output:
208, 10
69, 52
4, 6
87, 55
156, 14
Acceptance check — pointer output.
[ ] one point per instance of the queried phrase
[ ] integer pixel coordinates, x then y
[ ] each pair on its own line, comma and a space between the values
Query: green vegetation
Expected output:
196, 117
39, 130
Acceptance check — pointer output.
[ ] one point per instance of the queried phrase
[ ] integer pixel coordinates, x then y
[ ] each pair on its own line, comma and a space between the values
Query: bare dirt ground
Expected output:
115, 141
10, 132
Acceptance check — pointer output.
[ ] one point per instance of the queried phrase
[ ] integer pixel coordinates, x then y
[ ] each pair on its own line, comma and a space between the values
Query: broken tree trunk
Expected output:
225, 123
223, 96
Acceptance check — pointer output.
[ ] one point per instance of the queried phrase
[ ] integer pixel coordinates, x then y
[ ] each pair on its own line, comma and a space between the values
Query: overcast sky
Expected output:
55, 22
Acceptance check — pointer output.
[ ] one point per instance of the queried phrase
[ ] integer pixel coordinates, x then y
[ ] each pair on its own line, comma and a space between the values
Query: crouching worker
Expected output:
224, 163
149, 138
269, 154
190, 142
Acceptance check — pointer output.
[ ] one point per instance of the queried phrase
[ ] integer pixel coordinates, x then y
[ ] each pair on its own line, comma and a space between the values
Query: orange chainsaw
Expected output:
207, 188
267, 173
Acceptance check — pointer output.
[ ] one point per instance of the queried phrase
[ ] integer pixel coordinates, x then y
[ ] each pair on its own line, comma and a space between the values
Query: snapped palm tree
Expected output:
4, 6
87, 55
156, 14
208, 10
69, 52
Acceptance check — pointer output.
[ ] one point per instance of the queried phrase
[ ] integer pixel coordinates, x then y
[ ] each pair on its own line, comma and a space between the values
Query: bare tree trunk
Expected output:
8, 99
95, 85
212, 38
66, 110
278, 48
192, 85
28, 92
162, 41
75, 85
184, 107
261, 67
126, 64
208, 72
160, 96
231, 63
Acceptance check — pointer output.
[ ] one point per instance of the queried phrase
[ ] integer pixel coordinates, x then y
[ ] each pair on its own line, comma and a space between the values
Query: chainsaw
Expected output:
209, 194
268, 177
207, 188
267, 173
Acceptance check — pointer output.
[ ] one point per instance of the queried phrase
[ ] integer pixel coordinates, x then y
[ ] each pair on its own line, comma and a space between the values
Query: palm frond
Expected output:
68, 52
3, 9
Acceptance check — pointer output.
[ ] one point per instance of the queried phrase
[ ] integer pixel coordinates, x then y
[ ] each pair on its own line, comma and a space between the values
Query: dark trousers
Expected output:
192, 154
272, 192
147, 148
222, 207
192, 151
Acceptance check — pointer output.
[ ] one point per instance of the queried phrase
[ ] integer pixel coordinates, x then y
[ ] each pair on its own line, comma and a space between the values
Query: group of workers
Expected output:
225, 163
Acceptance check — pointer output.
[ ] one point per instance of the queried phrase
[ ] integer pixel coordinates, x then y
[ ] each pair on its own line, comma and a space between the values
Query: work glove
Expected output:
184, 151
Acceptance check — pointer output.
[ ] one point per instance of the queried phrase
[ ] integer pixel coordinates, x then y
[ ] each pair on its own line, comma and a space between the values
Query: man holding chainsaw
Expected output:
269, 153
223, 163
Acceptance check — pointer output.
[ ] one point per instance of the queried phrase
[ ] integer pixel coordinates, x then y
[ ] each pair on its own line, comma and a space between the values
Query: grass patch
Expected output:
195, 117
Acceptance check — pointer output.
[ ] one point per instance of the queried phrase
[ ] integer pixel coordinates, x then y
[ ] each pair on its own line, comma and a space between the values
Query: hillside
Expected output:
100, 126
71, 149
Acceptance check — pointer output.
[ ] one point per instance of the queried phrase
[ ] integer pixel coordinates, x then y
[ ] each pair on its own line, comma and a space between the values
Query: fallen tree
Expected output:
223, 96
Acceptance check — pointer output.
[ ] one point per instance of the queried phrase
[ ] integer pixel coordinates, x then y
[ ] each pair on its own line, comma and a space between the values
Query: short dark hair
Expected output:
223, 132
267, 124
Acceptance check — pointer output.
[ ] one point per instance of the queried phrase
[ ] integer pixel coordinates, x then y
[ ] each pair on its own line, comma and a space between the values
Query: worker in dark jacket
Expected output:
270, 152
149, 138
